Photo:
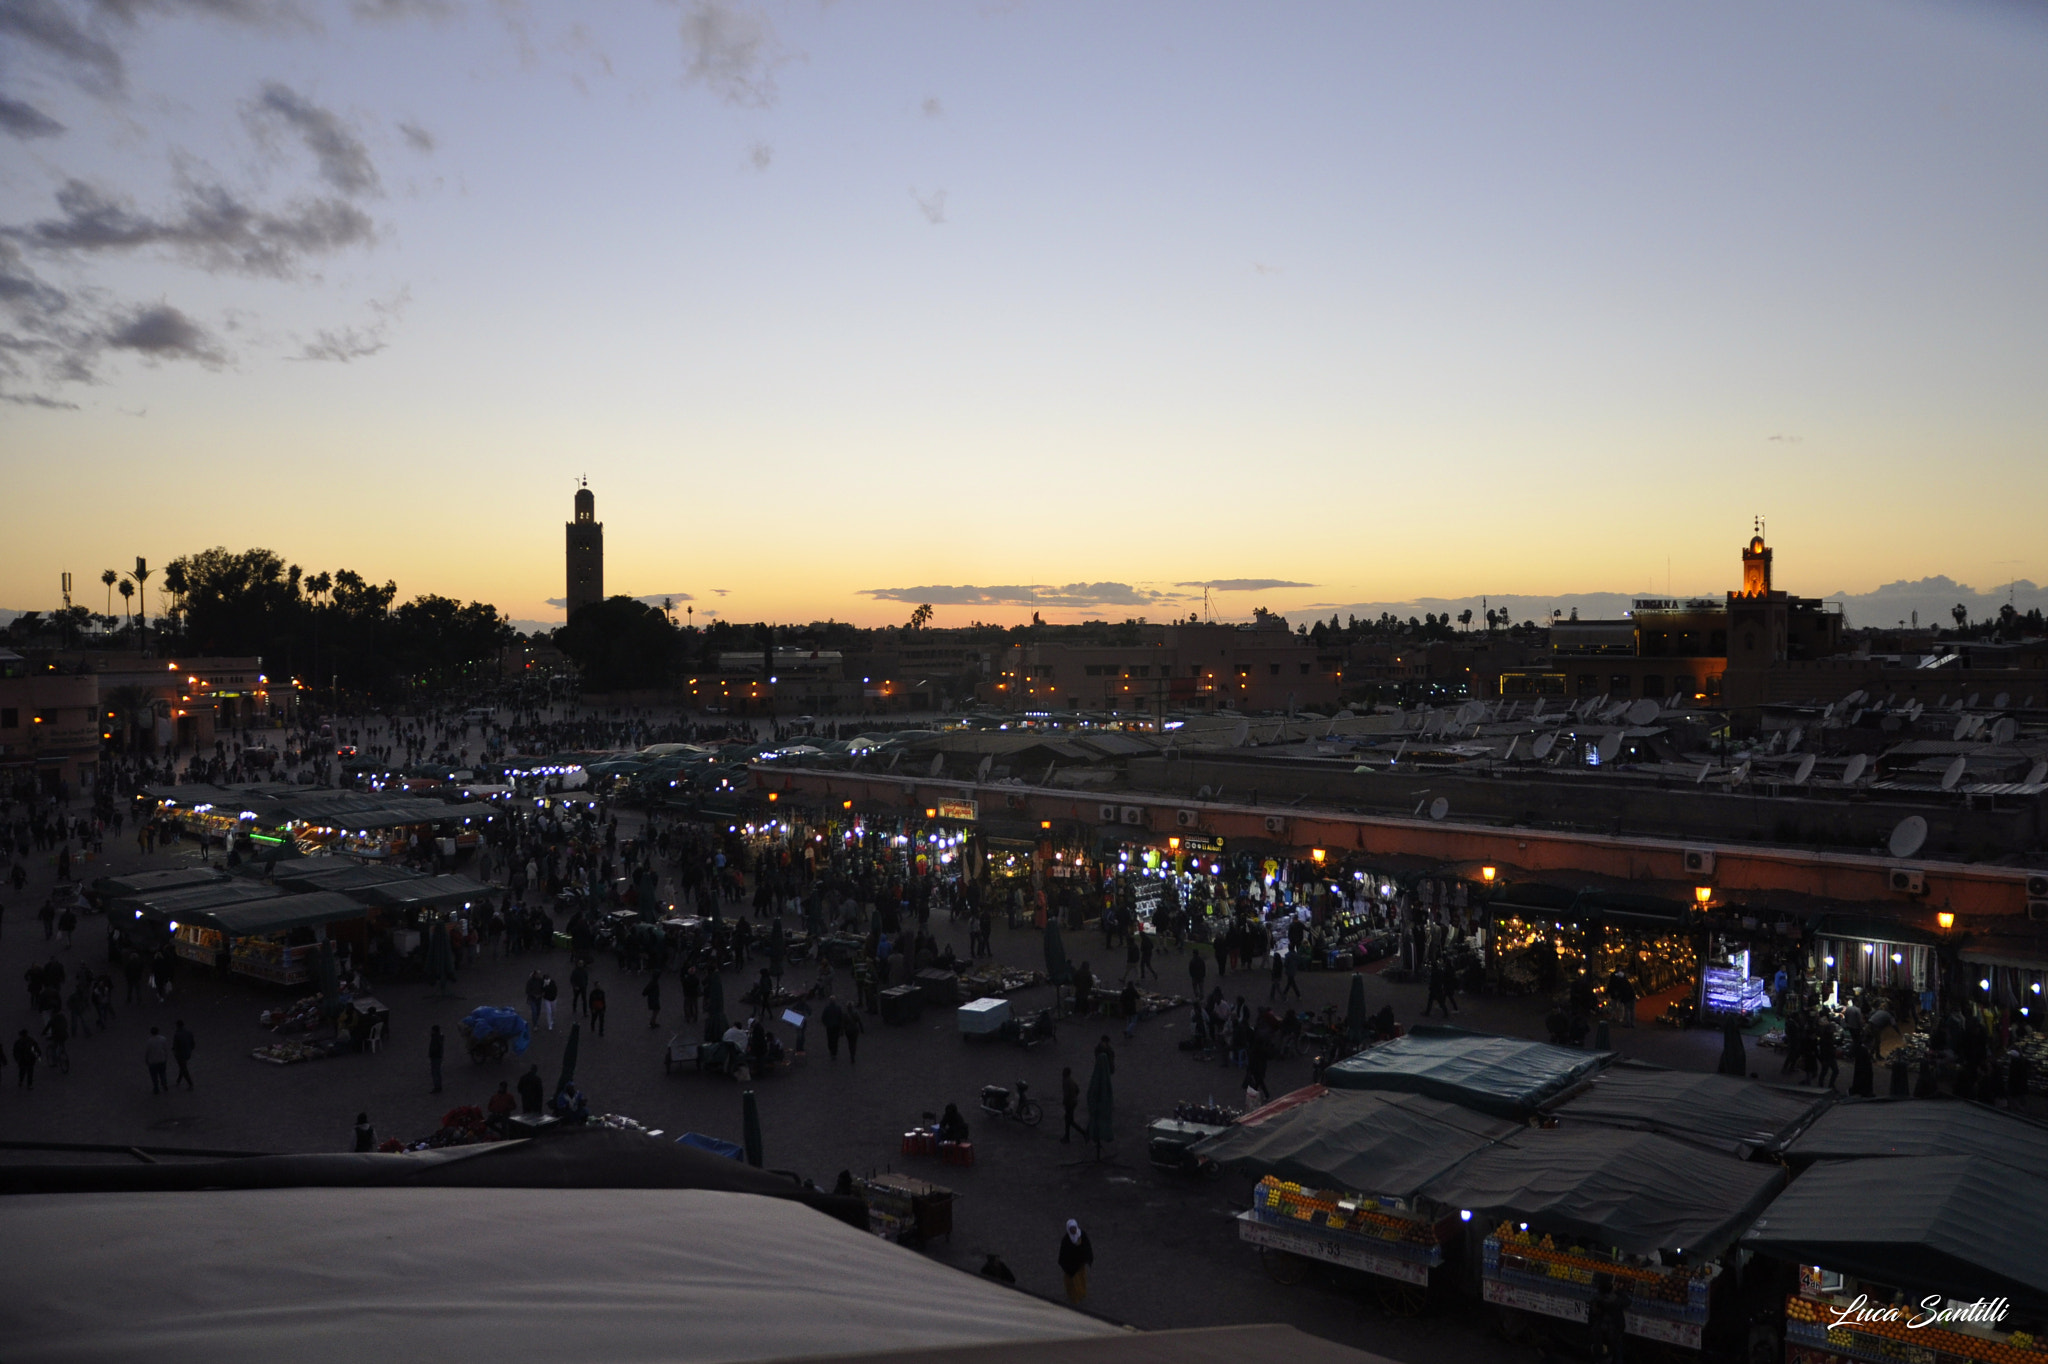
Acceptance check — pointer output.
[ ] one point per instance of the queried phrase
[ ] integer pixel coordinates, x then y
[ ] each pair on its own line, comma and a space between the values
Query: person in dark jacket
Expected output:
183, 1044
1076, 1254
598, 1005
366, 1135
530, 1091
1902, 1075
835, 1023
652, 994
1862, 1072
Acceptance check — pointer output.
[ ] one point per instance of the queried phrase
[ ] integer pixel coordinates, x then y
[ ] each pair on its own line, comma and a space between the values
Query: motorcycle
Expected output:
999, 1102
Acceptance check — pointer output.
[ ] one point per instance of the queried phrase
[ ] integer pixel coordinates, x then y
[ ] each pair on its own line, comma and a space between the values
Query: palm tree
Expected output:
110, 578
174, 583
127, 591
141, 588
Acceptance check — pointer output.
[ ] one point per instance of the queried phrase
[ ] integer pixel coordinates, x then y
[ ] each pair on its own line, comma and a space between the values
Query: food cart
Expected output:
1340, 1174
1946, 1268
1565, 1207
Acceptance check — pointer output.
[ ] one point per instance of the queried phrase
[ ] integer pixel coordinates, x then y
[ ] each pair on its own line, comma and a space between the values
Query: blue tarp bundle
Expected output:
487, 1021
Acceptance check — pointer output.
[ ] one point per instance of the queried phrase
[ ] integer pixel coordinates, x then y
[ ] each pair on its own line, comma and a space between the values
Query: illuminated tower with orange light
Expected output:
1756, 566
586, 553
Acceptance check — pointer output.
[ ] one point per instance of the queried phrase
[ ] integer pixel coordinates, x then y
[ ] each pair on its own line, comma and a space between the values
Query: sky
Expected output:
1013, 307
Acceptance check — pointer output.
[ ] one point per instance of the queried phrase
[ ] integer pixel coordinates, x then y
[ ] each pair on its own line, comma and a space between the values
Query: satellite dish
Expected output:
1971, 704
1537, 713
1962, 728
1642, 712
1344, 715
1705, 770
1241, 734
2005, 731
1908, 836
1513, 743
1957, 705
1829, 713
1439, 807
1399, 749
988, 760
1469, 712
1855, 698
1541, 748
2037, 774
2001, 701
1610, 745
1803, 771
1854, 771
1740, 775
1954, 772
1792, 742
895, 758
1919, 709
938, 763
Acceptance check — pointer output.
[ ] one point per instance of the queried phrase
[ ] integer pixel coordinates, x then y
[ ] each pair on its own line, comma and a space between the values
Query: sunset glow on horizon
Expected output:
1051, 308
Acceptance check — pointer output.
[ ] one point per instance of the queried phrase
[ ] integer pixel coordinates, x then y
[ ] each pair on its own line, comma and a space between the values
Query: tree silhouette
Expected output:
127, 592
921, 617
110, 578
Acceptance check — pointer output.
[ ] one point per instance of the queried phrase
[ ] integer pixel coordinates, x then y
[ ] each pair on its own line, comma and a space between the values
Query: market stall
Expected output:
1949, 1232
1653, 1215
1879, 955
1340, 1171
1508, 1077
270, 939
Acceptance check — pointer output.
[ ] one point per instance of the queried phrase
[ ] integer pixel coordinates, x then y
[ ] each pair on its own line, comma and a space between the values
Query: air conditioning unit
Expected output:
1134, 814
1276, 824
1699, 861
1909, 881
1105, 814
2037, 910
2037, 886
1187, 819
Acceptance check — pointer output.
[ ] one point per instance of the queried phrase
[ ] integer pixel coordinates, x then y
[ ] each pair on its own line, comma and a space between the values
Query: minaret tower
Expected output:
586, 552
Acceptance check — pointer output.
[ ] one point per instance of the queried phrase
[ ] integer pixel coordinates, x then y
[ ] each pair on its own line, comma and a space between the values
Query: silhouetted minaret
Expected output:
586, 553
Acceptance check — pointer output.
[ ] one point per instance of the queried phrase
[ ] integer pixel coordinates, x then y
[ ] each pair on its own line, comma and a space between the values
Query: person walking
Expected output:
1070, 1099
1198, 971
852, 1024
652, 994
183, 1044
26, 1054
835, 1024
598, 1005
1076, 1254
1147, 943
436, 1047
548, 995
156, 1054
1293, 986
579, 988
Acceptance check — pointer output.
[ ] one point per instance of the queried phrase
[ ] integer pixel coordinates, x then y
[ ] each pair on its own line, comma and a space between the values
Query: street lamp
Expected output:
1703, 896
1487, 874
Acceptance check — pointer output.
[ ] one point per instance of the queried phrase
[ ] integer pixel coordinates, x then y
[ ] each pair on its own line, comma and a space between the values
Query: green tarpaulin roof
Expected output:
1509, 1077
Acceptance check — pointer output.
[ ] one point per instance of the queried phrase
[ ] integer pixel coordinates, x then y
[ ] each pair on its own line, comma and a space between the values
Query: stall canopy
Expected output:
1636, 1191
1367, 1142
112, 888
279, 913
185, 901
1959, 1225
1735, 1116
1915, 1127
1631, 909
1508, 1077
427, 892
340, 873
1528, 898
